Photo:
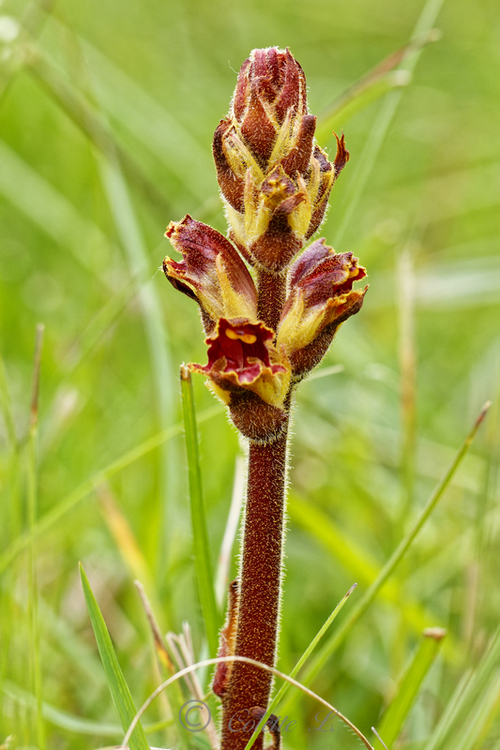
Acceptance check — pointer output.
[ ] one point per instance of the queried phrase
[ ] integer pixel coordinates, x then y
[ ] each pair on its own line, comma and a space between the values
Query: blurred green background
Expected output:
107, 112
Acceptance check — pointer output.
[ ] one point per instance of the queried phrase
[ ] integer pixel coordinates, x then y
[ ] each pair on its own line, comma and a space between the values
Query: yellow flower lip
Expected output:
247, 338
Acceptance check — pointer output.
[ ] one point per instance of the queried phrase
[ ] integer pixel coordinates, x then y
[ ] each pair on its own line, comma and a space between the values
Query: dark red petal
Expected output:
200, 245
235, 350
309, 260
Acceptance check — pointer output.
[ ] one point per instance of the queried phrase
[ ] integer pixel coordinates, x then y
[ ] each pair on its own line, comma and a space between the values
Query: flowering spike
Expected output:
266, 329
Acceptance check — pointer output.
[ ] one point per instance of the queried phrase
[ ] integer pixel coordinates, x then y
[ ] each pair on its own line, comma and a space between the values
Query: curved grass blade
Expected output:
394, 718
286, 685
114, 675
202, 559
464, 706
333, 643
32, 508
381, 126
70, 722
374, 84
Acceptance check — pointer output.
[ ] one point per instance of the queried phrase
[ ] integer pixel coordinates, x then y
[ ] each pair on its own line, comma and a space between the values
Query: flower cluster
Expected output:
275, 182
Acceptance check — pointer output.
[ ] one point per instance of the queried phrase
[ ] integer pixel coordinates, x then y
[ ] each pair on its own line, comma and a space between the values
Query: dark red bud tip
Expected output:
342, 155
271, 86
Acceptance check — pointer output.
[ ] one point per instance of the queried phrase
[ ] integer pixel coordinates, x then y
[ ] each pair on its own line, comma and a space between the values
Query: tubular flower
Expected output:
248, 374
241, 356
320, 300
211, 272
274, 178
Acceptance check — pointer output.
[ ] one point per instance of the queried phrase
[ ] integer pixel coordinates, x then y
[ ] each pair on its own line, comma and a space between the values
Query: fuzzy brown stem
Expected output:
271, 290
260, 584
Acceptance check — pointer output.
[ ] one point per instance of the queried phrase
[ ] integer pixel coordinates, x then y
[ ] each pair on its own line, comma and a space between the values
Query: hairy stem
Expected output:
260, 585
271, 290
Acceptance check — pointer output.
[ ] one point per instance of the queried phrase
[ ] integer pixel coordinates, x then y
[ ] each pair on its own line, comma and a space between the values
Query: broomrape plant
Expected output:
270, 310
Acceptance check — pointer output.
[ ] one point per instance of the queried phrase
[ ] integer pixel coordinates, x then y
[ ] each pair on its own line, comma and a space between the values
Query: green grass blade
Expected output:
397, 713
61, 719
32, 509
333, 643
132, 240
159, 129
344, 109
67, 504
70, 722
50, 210
78, 107
203, 564
6, 406
380, 127
114, 675
474, 734
374, 84
305, 656
358, 563
464, 704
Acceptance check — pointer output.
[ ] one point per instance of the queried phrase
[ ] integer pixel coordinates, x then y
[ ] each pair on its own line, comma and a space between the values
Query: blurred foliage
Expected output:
106, 116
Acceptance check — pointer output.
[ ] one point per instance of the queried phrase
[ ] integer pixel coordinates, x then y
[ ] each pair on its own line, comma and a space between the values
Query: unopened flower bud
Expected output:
274, 178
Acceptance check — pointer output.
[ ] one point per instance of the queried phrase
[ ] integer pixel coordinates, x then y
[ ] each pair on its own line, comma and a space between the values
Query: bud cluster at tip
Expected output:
274, 178
275, 182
